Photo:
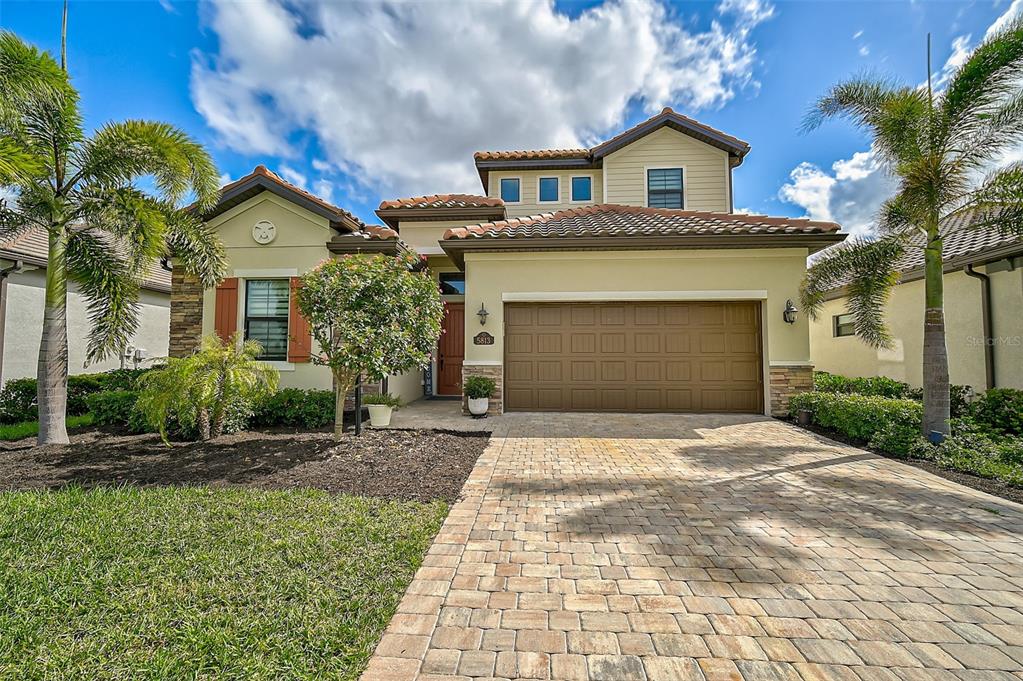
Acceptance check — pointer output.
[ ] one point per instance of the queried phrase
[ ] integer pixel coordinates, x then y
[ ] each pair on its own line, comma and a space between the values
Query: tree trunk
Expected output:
343, 384
204, 424
935, 360
51, 374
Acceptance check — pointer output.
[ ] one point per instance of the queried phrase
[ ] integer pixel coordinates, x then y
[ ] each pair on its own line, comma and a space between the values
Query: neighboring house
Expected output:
983, 317
22, 292
606, 279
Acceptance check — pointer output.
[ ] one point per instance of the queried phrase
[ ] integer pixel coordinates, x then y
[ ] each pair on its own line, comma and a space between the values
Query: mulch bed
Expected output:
994, 487
415, 465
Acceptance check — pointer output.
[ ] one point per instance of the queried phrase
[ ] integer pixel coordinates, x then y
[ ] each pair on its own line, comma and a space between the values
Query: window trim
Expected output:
572, 177
685, 183
835, 324
500, 195
245, 316
556, 178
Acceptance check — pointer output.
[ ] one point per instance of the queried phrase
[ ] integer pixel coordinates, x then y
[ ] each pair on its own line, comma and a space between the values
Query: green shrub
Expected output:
858, 416
900, 439
381, 398
879, 386
294, 408
18, 397
980, 454
18, 401
117, 409
1000, 410
479, 386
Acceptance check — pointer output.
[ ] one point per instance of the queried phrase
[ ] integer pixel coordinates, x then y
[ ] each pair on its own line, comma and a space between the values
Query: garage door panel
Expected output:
651, 357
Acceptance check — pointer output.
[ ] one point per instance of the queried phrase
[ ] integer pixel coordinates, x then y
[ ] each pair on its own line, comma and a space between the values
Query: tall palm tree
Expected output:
105, 230
943, 148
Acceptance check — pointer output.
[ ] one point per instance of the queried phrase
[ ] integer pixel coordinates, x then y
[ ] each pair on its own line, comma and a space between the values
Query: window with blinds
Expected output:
664, 188
266, 316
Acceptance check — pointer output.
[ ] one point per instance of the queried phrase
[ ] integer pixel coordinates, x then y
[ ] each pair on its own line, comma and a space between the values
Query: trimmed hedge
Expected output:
294, 408
18, 397
882, 386
1000, 410
858, 416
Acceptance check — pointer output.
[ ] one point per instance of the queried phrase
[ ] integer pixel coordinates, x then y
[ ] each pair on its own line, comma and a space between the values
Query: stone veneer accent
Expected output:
494, 371
185, 313
787, 381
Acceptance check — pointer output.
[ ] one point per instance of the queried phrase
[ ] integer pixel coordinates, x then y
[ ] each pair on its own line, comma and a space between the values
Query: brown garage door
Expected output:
654, 357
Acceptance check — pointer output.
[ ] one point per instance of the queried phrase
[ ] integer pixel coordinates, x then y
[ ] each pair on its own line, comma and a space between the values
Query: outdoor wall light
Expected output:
482, 314
789, 315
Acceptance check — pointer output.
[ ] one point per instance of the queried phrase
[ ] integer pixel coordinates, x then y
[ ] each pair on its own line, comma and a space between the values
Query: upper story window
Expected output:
452, 284
843, 325
664, 188
548, 190
266, 316
510, 190
582, 188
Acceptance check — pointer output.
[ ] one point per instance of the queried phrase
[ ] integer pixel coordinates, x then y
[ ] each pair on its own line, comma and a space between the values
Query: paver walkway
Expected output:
737, 548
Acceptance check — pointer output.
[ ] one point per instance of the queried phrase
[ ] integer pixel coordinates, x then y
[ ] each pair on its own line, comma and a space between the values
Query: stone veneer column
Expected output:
185, 314
494, 371
787, 381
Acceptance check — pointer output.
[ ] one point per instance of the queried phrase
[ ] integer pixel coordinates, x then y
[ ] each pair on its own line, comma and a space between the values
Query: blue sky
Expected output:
365, 101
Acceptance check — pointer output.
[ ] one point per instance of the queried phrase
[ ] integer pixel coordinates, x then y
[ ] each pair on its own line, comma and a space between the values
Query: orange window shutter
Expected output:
300, 337
225, 314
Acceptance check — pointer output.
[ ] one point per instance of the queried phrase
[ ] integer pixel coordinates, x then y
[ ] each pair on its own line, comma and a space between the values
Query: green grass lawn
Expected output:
17, 431
201, 583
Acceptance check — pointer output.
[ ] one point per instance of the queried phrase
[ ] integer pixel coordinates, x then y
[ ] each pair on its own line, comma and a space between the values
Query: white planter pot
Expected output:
478, 406
379, 415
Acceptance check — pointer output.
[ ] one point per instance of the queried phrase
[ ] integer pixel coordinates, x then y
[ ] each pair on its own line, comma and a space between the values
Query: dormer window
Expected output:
548, 190
664, 188
511, 190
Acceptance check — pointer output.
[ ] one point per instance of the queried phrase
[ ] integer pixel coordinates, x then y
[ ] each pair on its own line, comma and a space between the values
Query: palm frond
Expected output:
893, 114
136, 222
111, 290
867, 270
990, 74
120, 153
26, 75
196, 247
997, 203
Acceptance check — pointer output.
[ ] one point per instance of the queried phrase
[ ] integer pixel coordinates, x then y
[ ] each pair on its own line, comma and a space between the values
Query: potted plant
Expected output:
478, 390
380, 407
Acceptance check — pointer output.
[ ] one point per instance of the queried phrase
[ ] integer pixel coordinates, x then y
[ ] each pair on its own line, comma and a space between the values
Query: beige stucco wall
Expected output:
705, 173
529, 205
23, 327
769, 275
424, 235
964, 333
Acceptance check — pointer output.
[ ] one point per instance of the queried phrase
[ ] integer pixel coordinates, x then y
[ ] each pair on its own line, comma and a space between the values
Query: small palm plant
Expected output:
941, 147
104, 231
220, 382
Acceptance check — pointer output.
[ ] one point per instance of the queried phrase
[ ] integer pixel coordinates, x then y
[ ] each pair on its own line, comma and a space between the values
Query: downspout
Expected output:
989, 346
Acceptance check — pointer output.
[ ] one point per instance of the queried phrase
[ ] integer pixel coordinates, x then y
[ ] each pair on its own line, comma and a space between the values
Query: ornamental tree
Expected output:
370, 315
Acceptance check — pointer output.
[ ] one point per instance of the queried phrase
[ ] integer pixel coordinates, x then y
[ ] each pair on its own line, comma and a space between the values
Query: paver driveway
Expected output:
709, 547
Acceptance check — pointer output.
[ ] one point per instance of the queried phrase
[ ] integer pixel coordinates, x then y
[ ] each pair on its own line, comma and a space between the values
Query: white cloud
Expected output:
294, 177
850, 194
399, 95
864, 50
858, 34
1015, 10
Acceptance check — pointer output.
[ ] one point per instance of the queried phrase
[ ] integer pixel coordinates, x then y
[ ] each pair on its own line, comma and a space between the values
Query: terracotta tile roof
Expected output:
614, 220
443, 201
535, 154
378, 232
32, 246
336, 213
667, 116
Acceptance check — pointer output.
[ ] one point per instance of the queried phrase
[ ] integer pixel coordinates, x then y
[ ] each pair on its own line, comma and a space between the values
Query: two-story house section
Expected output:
616, 278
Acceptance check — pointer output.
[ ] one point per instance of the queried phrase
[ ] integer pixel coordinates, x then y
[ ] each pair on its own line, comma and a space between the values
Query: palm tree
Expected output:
943, 148
105, 231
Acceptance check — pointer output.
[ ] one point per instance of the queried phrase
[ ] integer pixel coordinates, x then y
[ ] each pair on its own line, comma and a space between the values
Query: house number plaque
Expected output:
483, 338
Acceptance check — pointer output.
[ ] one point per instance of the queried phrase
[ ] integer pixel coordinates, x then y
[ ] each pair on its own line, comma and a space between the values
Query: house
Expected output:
983, 287
614, 278
22, 293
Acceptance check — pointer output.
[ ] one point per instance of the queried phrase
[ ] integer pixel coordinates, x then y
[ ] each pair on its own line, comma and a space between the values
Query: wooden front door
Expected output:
451, 350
